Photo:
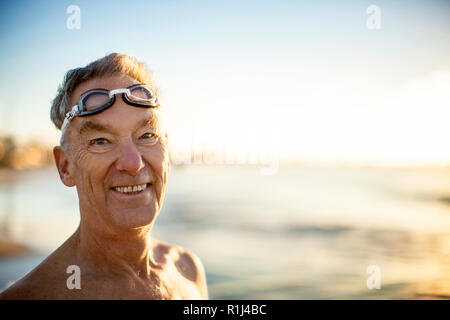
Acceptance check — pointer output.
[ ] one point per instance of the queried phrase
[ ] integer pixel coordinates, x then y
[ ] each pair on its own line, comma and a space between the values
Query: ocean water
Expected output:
302, 233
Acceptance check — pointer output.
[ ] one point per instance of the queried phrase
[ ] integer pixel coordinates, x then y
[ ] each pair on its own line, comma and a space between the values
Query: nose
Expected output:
130, 159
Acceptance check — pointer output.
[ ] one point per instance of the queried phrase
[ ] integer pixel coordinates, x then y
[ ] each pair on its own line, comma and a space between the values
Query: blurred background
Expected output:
309, 140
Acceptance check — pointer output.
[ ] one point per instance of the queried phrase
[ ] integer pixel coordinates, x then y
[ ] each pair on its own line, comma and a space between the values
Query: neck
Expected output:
125, 252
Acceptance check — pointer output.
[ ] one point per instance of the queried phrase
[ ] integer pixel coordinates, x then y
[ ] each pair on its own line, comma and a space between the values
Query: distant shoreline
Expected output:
8, 174
445, 200
9, 249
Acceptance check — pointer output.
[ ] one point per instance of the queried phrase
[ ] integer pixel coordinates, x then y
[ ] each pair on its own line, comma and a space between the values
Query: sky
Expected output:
303, 80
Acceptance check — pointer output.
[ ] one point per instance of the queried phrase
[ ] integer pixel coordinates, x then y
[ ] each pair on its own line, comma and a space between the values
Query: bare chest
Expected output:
165, 284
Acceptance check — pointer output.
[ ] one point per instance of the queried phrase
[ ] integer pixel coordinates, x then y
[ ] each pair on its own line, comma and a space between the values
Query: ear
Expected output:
63, 165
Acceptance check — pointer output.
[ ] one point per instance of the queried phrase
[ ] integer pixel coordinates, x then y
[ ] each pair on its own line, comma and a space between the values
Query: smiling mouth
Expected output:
131, 188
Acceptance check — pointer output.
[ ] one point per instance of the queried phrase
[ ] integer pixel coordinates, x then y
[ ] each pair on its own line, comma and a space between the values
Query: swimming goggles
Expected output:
97, 100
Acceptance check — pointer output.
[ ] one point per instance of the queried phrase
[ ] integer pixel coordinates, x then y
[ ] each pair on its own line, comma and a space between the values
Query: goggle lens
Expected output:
95, 100
141, 94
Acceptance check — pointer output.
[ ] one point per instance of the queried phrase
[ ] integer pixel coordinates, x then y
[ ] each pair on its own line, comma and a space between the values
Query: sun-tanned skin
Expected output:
112, 247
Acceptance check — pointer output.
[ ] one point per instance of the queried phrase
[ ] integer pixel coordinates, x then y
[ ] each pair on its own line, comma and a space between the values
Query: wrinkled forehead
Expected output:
123, 121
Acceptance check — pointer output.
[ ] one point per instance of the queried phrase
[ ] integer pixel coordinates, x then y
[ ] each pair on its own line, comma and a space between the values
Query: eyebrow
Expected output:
151, 121
91, 125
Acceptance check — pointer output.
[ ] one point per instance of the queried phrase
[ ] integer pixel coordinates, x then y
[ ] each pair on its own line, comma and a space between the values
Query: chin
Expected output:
134, 217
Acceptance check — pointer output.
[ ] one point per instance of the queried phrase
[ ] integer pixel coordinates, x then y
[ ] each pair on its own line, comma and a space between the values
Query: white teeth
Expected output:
130, 189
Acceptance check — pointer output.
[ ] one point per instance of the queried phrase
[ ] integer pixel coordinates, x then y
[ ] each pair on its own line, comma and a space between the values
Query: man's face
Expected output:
114, 151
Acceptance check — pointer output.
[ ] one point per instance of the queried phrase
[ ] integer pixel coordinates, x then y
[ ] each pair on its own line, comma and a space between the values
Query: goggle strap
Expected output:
72, 113
69, 115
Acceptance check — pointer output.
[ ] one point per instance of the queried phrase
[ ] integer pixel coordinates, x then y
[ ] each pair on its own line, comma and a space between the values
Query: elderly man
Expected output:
113, 149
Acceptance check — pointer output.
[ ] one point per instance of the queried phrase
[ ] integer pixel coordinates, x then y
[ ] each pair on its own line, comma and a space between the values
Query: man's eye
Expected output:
148, 135
98, 141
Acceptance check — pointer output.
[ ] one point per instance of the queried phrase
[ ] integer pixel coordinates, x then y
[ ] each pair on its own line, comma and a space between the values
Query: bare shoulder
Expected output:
34, 285
187, 262
43, 282
17, 291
